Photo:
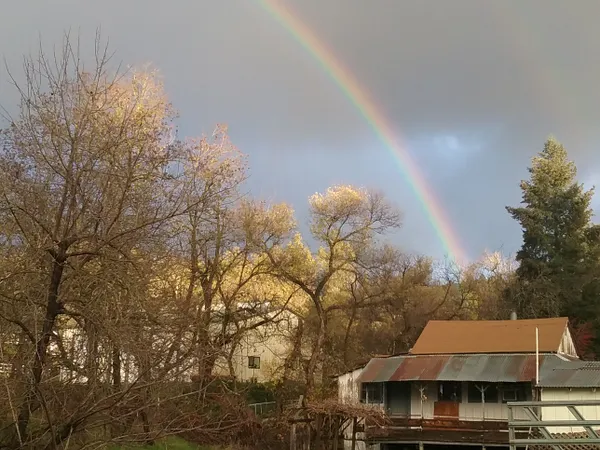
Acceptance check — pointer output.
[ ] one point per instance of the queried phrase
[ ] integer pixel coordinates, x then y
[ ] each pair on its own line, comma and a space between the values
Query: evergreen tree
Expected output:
558, 260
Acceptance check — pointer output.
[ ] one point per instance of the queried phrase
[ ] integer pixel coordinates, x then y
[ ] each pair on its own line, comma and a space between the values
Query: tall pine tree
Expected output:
558, 261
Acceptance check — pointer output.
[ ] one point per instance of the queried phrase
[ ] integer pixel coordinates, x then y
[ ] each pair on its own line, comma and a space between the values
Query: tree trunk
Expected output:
116, 368
146, 427
315, 356
231, 354
296, 353
91, 357
205, 352
115, 427
347, 335
53, 309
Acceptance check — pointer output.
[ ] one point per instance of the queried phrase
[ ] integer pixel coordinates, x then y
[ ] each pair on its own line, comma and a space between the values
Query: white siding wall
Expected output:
466, 411
422, 402
562, 413
349, 387
567, 347
271, 349
349, 392
423, 408
268, 342
74, 342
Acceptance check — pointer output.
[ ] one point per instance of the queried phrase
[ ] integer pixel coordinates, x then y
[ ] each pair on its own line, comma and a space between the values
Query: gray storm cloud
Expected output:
501, 76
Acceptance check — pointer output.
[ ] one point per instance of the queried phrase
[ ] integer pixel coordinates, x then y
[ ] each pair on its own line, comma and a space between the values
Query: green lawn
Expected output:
170, 443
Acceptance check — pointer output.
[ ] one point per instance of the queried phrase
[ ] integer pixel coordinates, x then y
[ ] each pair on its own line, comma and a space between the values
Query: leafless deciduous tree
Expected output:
345, 221
93, 186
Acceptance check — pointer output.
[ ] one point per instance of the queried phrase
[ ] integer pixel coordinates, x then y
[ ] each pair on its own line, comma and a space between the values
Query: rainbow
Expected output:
376, 119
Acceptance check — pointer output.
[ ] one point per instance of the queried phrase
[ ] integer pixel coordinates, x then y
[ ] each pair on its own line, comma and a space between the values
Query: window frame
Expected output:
253, 362
473, 385
512, 398
374, 388
440, 388
520, 391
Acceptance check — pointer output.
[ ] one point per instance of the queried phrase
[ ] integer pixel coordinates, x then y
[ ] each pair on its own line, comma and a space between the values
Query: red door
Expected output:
445, 410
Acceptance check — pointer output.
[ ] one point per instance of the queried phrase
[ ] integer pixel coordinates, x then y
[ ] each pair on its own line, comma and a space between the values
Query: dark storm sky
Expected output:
473, 87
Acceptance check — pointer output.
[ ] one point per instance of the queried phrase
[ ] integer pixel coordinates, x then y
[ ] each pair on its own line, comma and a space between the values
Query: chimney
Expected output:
513, 315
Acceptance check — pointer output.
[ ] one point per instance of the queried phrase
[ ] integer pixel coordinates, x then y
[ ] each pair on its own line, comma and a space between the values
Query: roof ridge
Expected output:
540, 319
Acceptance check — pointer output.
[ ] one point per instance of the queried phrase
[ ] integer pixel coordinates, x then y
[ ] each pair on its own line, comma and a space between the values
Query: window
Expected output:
509, 395
490, 392
517, 392
254, 362
371, 393
449, 391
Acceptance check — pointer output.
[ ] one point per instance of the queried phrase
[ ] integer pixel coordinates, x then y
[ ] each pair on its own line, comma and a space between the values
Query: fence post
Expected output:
354, 425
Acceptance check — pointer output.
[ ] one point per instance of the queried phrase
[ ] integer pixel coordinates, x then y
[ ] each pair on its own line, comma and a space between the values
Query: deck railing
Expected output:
547, 432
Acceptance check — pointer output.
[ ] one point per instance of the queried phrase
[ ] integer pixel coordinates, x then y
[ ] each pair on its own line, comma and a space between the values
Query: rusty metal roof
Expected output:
571, 374
507, 368
490, 336
555, 371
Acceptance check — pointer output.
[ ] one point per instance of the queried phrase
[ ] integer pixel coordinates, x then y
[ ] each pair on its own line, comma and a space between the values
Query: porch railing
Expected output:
547, 432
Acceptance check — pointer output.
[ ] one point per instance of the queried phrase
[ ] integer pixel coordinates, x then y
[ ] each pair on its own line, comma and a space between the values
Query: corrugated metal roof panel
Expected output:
508, 368
571, 374
414, 368
453, 369
389, 367
528, 367
372, 369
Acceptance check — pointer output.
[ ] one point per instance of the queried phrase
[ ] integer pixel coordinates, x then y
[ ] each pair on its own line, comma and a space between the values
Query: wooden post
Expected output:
354, 425
318, 430
293, 436
336, 433
511, 430
481, 388
293, 428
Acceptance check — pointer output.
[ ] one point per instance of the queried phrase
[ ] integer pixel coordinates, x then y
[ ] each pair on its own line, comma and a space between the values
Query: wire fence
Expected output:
264, 408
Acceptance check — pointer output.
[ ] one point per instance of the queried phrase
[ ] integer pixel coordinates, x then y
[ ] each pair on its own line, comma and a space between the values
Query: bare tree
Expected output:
345, 221
85, 182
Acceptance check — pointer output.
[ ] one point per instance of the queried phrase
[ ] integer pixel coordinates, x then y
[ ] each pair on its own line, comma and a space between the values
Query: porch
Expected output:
443, 412
448, 401
440, 431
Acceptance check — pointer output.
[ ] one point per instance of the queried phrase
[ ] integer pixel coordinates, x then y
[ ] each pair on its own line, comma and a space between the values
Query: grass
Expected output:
170, 443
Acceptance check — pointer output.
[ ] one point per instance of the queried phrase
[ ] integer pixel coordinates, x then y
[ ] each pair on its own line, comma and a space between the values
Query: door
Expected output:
398, 398
449, 397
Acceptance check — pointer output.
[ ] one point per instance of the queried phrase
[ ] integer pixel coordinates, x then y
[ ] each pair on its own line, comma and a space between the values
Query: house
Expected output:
260, 351
259, 354
453, 386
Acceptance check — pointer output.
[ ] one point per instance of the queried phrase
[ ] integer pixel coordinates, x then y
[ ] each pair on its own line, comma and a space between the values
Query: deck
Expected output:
440, 431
